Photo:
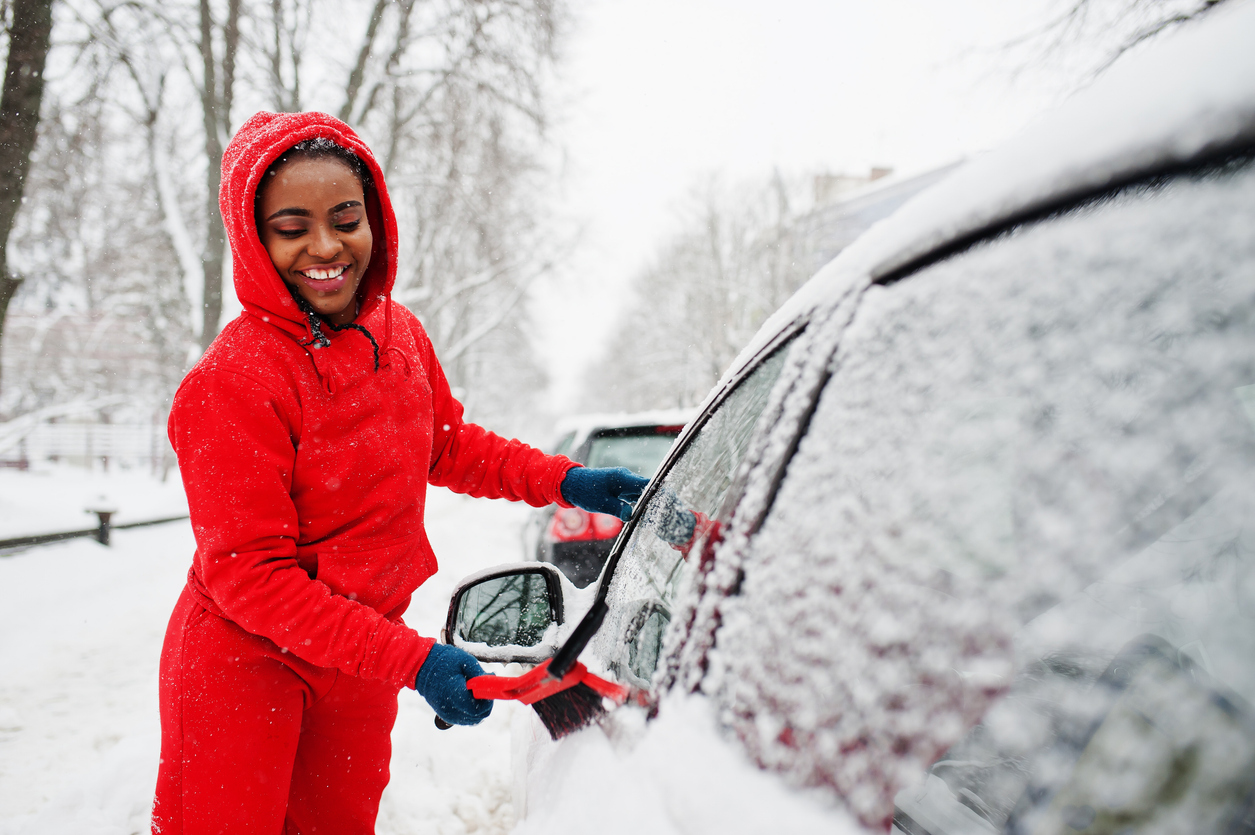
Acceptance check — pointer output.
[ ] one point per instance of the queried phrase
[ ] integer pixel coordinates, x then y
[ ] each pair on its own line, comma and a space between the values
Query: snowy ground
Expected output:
80, 635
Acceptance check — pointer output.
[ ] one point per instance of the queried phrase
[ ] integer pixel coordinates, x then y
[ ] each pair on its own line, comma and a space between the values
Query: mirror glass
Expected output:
512, 610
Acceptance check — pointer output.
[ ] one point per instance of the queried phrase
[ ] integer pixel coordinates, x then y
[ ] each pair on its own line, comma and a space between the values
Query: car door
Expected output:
1006, 581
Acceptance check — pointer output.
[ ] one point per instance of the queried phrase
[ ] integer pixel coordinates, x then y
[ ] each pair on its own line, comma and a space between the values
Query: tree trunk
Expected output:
216, 118
29, 39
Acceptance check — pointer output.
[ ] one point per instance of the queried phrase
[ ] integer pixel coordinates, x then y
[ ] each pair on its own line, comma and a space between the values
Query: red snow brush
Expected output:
564, 694
564, 703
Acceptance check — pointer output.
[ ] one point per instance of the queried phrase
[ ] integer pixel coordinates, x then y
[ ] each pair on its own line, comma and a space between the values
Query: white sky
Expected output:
659, 92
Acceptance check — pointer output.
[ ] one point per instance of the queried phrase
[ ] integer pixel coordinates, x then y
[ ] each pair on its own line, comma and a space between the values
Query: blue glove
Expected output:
442, 682
610, 490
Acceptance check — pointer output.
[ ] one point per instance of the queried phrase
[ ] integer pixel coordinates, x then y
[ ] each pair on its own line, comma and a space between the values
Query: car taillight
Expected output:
570, 523
606, 526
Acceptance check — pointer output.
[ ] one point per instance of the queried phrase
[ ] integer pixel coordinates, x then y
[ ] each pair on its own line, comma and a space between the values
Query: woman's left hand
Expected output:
611, 490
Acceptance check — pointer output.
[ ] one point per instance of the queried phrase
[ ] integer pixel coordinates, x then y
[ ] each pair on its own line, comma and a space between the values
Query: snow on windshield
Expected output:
1036, 450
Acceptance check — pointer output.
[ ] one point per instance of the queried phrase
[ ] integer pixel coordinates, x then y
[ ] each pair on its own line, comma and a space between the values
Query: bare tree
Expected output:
1087, 36
450, 93
29, 30
151, 42
218, 44
739, 254
103, 313
289, 27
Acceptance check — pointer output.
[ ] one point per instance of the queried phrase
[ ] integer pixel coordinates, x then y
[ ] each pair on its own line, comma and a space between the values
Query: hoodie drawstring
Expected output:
316, 322
355, 327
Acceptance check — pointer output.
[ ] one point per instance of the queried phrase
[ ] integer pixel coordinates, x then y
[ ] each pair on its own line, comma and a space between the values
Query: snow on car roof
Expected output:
1183, 99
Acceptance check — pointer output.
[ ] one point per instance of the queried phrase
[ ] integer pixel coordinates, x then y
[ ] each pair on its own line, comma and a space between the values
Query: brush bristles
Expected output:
568, 711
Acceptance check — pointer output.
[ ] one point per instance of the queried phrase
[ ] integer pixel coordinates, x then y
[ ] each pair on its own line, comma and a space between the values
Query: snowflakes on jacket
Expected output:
306, 469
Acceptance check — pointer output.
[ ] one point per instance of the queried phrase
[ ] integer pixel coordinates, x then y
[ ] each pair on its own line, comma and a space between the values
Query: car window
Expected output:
1007, 583
563, 447
648, 572
640, 453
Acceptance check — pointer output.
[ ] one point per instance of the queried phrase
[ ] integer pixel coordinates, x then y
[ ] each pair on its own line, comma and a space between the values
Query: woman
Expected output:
306, 436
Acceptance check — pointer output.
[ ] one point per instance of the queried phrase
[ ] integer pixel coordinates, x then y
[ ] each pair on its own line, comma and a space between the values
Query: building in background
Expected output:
846, 207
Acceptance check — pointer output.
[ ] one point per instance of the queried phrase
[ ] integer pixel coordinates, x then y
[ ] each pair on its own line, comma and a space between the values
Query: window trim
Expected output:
588, 626
890, 272
685, 439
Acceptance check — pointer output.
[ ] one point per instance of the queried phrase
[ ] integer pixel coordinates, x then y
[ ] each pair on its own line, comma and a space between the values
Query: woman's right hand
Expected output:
611, 490
442, 682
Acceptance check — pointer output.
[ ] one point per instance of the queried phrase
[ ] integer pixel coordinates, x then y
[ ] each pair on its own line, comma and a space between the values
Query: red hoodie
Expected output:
305, 469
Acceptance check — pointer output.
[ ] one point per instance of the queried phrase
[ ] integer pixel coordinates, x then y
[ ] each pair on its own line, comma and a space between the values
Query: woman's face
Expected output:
313, 224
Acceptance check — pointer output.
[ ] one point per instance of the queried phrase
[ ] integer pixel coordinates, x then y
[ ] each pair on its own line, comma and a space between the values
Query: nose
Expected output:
324, 242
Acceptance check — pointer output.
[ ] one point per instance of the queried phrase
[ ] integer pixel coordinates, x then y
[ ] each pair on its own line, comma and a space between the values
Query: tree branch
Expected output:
359, 69
476, 334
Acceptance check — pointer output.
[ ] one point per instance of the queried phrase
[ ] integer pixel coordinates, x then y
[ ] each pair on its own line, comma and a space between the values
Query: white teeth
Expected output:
323, 275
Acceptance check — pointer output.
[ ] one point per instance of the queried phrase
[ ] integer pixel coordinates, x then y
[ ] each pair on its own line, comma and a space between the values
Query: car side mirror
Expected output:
509, 613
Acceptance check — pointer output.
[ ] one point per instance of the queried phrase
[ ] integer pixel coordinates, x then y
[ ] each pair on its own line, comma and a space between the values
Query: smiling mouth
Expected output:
324, 273
325, 280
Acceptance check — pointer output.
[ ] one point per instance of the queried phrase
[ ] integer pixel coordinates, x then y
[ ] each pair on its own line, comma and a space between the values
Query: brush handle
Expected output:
565, 658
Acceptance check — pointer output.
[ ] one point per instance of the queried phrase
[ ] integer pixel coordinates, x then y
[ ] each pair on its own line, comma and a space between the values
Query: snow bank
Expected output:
679, 777
56, 498
80, 638
80, 635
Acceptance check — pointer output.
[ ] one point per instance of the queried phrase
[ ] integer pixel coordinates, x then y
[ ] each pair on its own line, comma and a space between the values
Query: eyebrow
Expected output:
291, 212
295, 212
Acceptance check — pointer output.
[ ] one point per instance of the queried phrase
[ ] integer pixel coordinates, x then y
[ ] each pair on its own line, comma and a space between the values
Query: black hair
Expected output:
319, 147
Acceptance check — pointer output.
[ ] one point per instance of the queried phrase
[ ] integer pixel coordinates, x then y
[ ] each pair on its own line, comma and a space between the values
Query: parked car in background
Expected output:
972, 540
574, 540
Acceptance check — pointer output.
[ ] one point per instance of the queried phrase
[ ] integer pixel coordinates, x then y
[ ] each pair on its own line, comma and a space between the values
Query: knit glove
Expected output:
611, 490
670, 518
442, 682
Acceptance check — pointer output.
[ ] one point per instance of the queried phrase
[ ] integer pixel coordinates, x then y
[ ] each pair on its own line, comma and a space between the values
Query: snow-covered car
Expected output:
976, 540
575, 541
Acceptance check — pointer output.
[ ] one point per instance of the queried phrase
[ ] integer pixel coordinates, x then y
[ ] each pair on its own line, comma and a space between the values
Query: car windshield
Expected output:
639, 451
563, 447
1008, 581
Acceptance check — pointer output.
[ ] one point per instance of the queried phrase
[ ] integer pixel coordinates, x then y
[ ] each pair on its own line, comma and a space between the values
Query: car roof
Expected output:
1183, 100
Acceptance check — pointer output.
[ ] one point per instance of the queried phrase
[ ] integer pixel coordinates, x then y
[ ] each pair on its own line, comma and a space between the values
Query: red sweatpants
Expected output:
255, 740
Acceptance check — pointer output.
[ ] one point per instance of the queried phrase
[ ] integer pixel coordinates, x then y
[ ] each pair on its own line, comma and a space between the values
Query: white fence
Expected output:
93, 445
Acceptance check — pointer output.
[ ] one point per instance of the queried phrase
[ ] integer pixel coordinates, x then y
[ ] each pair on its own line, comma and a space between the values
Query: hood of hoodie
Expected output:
258, 143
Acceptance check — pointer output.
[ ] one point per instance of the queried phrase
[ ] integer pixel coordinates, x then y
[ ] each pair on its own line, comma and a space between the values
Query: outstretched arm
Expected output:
468, 458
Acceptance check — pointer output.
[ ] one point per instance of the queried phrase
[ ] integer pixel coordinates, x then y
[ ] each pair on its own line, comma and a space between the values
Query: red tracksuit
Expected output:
306, 473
